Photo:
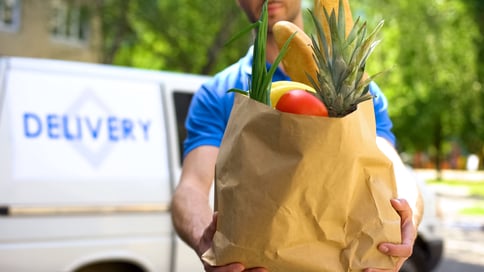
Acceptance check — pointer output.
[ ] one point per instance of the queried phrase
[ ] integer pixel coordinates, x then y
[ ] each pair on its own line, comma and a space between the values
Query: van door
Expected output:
179, 90
85, 172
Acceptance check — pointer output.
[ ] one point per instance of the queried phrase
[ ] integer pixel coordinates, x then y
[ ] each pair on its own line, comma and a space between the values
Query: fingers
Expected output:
206, 240
210, 230
233, 267
403, 209
378, 270
257, 269
408, 232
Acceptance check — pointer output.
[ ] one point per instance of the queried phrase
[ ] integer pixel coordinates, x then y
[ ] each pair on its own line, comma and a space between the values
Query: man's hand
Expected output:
206, 243
409, 233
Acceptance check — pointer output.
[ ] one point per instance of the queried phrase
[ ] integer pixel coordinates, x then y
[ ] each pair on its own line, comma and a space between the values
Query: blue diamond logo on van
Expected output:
92, 147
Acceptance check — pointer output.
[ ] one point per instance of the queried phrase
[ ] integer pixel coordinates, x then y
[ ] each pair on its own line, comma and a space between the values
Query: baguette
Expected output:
298, 62
298, 59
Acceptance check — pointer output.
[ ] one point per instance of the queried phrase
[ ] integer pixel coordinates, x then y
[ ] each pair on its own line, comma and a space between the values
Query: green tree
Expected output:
430, 46
473, 134
185, 35
116, 32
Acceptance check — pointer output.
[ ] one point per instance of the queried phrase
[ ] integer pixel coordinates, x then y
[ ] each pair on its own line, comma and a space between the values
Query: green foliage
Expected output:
477, 210
432, 48
185, 35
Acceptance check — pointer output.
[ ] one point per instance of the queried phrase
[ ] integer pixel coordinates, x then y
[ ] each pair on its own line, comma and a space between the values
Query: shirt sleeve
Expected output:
207, 118
383, 122
210, 108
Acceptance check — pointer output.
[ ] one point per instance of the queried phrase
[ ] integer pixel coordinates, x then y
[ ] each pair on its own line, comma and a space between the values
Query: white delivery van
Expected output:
89, 157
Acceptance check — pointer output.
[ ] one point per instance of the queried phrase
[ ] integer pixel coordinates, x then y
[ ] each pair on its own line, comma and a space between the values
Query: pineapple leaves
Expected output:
341, 81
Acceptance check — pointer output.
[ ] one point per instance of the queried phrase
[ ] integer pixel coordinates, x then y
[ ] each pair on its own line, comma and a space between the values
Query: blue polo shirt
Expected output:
211, 106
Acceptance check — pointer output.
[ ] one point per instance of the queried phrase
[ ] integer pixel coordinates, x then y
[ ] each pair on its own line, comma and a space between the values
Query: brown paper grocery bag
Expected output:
300, 193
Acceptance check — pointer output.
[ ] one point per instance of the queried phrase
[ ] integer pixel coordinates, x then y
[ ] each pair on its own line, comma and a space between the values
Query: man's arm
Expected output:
190, 208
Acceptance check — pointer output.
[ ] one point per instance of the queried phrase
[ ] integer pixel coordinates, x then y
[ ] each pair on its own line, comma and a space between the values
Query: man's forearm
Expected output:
191, 214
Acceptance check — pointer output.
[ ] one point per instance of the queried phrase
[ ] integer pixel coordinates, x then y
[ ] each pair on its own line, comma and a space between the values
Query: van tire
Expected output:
111, 267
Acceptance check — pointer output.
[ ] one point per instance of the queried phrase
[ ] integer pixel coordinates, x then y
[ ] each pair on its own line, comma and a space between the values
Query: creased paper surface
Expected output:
302, 193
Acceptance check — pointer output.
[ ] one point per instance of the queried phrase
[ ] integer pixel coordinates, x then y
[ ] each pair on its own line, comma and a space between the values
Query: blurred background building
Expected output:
55, 29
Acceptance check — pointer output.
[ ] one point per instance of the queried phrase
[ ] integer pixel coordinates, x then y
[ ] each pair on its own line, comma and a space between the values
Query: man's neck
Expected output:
272, 50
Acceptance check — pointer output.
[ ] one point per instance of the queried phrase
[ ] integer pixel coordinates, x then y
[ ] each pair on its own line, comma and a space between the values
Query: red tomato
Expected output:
301, 102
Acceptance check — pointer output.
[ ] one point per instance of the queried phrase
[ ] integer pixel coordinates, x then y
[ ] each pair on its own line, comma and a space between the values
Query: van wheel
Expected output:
111, 267
416, 262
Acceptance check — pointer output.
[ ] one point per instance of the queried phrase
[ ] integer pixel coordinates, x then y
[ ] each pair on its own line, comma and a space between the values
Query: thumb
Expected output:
213, 225
207, 236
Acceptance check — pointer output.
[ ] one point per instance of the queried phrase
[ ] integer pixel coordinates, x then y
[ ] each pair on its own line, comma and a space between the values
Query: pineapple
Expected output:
340, 81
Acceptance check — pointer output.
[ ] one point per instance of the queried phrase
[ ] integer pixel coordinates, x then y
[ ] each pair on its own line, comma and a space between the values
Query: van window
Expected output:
182, 102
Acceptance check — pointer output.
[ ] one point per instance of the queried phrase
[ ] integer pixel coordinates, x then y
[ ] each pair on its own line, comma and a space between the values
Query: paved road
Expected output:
464, 250
464, 235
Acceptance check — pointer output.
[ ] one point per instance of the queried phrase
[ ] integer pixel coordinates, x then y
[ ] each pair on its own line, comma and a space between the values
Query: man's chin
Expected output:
273, 21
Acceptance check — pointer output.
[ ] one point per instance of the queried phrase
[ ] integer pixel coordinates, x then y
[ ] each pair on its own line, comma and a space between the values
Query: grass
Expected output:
475, 188
475, 210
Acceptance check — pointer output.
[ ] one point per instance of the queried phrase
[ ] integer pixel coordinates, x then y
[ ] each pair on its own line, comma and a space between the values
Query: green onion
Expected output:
260, 83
